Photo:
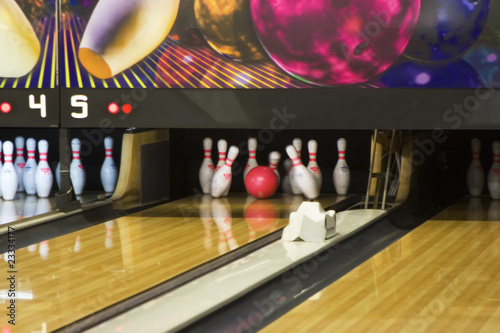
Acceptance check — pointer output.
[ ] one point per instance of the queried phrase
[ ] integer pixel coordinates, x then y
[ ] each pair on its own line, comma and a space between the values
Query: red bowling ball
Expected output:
261, 182
339, 42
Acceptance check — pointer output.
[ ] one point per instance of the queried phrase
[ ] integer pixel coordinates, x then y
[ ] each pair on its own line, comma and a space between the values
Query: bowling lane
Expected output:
442, 276
67, 278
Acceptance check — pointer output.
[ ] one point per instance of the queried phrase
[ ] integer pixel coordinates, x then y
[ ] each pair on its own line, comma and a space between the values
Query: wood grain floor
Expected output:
442, 277
72, 276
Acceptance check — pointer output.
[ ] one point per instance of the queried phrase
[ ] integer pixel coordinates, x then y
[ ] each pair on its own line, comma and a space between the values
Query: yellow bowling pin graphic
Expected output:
19, 46
120, 33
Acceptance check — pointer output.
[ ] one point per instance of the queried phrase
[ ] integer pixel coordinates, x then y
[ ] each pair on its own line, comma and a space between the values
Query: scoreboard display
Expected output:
233, 64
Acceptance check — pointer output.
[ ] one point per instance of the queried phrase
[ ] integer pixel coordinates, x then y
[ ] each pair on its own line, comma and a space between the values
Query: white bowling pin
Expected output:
19, 162
77, 171
29, 206
274, 159
30, 168
222, 178
43, 249
207, 167
43, 177
58, 175
494, 174
8, 176
108, 242
221, 212
1, 145
286, 180
475, 173
109, 172
297, 143
222, 148
341, 173
252, 161
302, 176
20, 46
122, 32
312, 146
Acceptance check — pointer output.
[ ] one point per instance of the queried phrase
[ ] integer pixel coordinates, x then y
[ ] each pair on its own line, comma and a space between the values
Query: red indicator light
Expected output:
5, 107
113, 108
127, 108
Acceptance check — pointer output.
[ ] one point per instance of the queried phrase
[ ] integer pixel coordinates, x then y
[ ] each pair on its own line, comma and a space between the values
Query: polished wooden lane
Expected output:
72, 276
441, 277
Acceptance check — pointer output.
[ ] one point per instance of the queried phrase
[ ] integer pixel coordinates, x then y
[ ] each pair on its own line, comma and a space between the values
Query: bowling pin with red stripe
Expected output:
29, 170
475, 173
494, 174
274, 159
8, 175
302, 176
109, 172
312, 146
221, 183
341, 173
43, 176
297, 144
206, 172
222, 148
77, 171
252, 161
20, 162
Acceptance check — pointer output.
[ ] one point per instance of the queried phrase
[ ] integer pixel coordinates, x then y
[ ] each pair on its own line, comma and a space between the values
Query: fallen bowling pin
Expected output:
301, 176
20, 45
221, 183
120, 33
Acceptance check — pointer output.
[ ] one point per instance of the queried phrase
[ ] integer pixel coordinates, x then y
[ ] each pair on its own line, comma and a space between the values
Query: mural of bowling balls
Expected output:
335, 42
486, 61
447, 28
409, 73
185, 29
227, 27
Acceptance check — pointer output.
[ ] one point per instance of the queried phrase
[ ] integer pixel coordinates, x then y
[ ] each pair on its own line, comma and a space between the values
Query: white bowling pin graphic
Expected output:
8, 176
475, 173
222, 148
341, 173
286, 180
43, 176
1, 145
223, 177
302, 176
274, 159
252, 161
207, 167
494, 174
312, 146
77, 171
19, 162
30, 168
58, 175
109, 173
108, 242
122, 32
297, 143
43, 249
20, 46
